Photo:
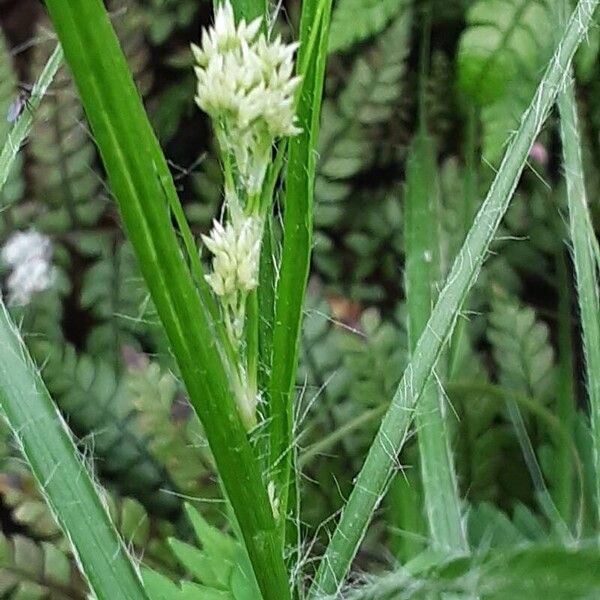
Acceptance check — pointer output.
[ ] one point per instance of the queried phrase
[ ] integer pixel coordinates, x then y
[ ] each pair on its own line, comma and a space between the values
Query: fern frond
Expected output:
440, 101
347, 146
113, 291
63, 156
506, 44
504, 39
130, 24
361, 258
175, 440
521, 347
165, 16
20, 494
93, 397
37, 570
358, 244
355, 21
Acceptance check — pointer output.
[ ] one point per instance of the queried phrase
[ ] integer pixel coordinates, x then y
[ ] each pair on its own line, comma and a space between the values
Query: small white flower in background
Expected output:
245, 84
29, 255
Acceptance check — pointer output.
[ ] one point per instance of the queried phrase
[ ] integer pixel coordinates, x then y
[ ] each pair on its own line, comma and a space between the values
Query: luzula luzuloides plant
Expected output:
246, 86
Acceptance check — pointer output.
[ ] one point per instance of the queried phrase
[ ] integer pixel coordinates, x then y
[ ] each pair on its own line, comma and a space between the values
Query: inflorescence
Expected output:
245, 83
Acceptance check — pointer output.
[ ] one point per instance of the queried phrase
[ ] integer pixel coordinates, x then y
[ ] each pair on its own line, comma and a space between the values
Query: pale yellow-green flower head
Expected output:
236, 252
246, 85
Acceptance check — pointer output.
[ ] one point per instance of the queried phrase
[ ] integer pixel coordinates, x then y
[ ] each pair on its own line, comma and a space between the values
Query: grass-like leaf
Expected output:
42, 434
379, 465
297, 243
46, 443
22, 126
422, 273
501, 53
583, 240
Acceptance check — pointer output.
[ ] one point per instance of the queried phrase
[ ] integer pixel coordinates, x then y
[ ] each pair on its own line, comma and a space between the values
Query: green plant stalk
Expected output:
266, 307
403, 510
251, 353
195, 263
58, 467
139, 178
296, 252
422, 273
565, 397
586, 269
407, 526
380, 463
22, 126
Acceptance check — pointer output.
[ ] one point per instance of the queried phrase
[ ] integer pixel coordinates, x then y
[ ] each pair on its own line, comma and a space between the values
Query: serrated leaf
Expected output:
522, 348
500, 56
159, 587
210, 537
193, 591
207, 567
504, 38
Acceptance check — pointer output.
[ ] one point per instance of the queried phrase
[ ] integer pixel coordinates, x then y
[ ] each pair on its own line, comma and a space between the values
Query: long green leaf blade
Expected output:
422, 274
379, 465
22, 127
297, 242
583, 240
43, 436
47, 444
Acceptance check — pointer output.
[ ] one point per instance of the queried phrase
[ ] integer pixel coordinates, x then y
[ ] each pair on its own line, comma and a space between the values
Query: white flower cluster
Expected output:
29, 255
236, 250
245, 84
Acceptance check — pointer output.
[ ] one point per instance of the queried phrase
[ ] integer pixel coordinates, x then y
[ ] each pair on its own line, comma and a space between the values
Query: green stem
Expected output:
422, 273
252, 337
407, 526
583, 243
380, 463
565, 395
296, 252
